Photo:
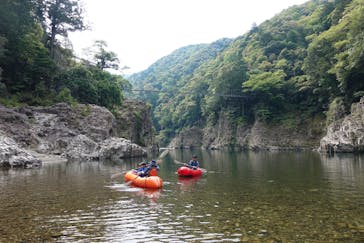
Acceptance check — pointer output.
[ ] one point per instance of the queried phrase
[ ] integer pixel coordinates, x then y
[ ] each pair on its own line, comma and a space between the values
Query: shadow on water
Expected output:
245, 196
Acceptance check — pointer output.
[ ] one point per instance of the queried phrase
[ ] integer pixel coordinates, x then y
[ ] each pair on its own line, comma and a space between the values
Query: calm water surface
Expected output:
245, 196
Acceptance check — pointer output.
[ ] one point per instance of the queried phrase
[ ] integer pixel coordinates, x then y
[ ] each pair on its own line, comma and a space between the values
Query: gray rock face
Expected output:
82, 147
188, 138
279, 137
226, 134
57, 126
347, 134
84, 132
116, 148
134, 123
11, 155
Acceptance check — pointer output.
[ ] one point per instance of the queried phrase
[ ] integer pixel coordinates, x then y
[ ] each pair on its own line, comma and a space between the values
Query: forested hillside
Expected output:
37, 66
306, 61
170, 74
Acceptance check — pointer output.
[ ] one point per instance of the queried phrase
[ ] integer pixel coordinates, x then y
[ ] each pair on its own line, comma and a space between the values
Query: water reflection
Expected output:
152, 194
187, 183
247, 196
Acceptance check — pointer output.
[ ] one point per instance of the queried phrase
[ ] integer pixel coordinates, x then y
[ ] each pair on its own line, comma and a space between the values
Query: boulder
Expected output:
81, 147
11, 155
346, 135
117, 148
82, 132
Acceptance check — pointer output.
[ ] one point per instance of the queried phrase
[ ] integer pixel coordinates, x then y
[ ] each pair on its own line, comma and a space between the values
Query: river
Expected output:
243, 197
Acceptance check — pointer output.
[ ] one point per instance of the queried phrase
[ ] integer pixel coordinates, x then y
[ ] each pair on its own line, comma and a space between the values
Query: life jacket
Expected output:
142, 169
153, 172
193, 163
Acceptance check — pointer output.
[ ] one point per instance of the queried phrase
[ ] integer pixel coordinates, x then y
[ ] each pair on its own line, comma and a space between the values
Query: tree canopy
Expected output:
36, 68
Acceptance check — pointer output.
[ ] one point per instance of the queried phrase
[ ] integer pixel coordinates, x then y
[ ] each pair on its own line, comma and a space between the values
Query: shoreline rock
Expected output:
346, 135
84, 132
11, 155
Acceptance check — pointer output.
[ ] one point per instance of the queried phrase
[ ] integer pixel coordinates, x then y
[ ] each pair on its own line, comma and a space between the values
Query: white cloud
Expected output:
142, 31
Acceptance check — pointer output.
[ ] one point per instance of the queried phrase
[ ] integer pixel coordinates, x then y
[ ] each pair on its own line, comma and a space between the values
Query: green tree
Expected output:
81, 83
225, 82
26, 62
349, 51
2, 51
62, 16
104, 59
268, 90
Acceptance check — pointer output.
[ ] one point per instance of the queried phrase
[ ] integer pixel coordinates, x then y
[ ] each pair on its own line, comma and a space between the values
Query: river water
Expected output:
244, 197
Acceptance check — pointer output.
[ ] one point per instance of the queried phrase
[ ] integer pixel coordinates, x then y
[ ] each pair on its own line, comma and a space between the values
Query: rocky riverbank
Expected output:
346, 134
84, 132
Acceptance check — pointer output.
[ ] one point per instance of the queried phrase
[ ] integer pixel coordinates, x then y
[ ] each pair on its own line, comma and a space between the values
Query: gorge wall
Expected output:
83, 132
342, 135
346, 134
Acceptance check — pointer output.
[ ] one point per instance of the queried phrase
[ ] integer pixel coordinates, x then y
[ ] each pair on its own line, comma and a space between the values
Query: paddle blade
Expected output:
165, 152
204, 171
117, 175
178, 162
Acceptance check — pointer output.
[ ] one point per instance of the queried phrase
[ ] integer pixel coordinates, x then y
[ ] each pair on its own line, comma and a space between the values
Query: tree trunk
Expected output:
53, 38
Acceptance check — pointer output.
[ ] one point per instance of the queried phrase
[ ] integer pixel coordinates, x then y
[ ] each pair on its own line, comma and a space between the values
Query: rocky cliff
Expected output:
347, 133
83, 132
188, 138
344, 134
134, 122
227, 134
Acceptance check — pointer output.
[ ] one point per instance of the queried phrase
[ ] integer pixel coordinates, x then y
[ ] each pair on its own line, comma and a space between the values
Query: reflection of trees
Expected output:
344, 170
262, 164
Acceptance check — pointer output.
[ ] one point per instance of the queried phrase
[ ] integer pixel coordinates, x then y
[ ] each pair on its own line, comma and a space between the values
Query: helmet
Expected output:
153, 162
194, 156
142, 163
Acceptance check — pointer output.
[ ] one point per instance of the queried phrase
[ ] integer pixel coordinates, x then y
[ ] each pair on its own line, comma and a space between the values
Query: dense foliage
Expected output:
294, 65
37, 66
171, 75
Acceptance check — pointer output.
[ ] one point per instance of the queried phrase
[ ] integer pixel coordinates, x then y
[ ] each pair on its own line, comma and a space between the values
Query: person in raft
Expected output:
141, 169
193, 164
152, 169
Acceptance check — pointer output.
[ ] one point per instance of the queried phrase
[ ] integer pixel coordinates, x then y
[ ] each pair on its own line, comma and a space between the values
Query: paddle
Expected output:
159, 160
178, 162
116, 175
163, 154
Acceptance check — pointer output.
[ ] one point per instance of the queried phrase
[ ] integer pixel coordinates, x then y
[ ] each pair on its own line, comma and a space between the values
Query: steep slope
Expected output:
282, 75
166, 72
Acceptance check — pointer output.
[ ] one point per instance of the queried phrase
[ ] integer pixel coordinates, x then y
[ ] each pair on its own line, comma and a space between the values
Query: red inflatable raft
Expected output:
185, 171
144, 182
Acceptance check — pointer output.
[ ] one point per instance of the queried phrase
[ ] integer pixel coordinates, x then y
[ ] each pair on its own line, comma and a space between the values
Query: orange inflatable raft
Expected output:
185, 171
153, 181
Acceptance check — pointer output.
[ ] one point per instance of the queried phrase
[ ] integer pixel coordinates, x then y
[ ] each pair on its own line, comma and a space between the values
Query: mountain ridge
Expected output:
288, 70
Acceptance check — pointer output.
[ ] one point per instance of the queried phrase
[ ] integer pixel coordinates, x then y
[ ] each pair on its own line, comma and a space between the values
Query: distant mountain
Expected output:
182, 63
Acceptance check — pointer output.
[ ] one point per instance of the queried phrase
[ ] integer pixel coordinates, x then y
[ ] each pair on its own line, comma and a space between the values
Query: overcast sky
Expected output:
142, 31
